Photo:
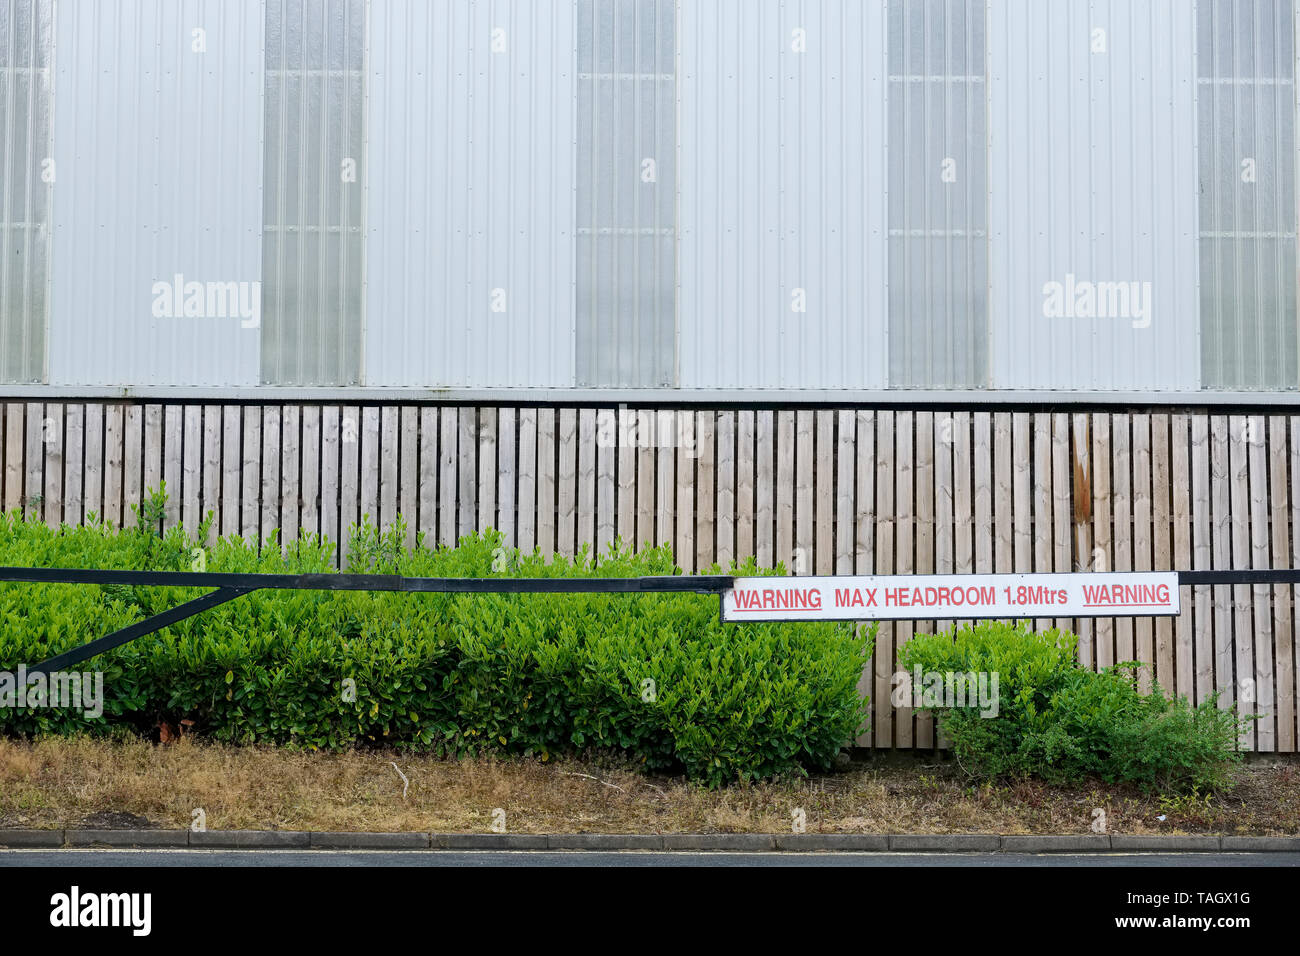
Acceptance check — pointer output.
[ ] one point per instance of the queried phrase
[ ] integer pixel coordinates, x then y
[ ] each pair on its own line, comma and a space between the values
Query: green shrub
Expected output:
1057, 721
655, 677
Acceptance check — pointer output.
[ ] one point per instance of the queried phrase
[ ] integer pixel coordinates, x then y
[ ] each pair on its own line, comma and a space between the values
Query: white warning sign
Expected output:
952, 596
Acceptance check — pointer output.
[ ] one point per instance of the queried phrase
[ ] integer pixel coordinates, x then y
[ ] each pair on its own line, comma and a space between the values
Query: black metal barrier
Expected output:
231, 586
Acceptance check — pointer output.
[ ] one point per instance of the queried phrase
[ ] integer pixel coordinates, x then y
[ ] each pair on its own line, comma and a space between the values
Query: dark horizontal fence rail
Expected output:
697, 583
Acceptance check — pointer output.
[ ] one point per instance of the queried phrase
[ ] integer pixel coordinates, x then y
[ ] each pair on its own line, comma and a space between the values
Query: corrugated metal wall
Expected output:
1093, 180
26, 58
782, 215
158, 147
470, 248
821, 222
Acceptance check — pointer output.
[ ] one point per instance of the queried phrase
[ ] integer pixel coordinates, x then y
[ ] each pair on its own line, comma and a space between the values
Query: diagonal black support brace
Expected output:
150, 624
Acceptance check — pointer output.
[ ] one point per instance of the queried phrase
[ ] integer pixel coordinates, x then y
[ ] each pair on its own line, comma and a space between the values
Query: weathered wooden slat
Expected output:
864, 510
488, 469
290, 473
586, 514
382, 448
904, 543
785, 488
607, 477
982, 459
428, 465
883, 659
270, 490
626, 442
114, 435
1255, 439
962, 495
53, 438
1062, 500
94, 482
132, 463
1002, 500
803, 555
706, 505
1102, 547
210, 489
728, 504
665, 477
685, 464
250, 474
527, 467
1293, 425
14, 448
331, 465
1221, 558
1080, 455
1181, 497
1021, 479
944, 554
350, 441
173, 458
153, 448
1239, 505
824, 503
567, 485
467, 490
75, 464
845, 478
508, 474
765, 488
546, 480
1143, 633
1122, 549
1162, 544
1280, 595
647, 430
310, 471
447, 452
1043, 530
566, 504
924, 544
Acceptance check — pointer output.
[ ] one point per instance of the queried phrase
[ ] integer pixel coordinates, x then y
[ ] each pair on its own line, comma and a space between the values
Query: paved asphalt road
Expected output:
632, 858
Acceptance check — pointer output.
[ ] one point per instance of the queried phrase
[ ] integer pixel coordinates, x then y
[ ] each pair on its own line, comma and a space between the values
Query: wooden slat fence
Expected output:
822, 490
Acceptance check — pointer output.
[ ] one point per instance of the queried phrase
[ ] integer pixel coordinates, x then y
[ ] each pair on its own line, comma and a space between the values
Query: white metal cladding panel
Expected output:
471, 203
158, 153
782, 188
1093, 179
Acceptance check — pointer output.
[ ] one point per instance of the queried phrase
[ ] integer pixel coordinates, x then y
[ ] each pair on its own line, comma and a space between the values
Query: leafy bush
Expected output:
1058, 721
656, 677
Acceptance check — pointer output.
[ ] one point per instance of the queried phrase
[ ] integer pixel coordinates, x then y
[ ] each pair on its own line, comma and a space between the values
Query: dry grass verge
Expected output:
66, 783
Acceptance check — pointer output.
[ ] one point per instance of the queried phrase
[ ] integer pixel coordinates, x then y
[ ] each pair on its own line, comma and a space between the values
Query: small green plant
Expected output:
1059, 722
1192, 804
